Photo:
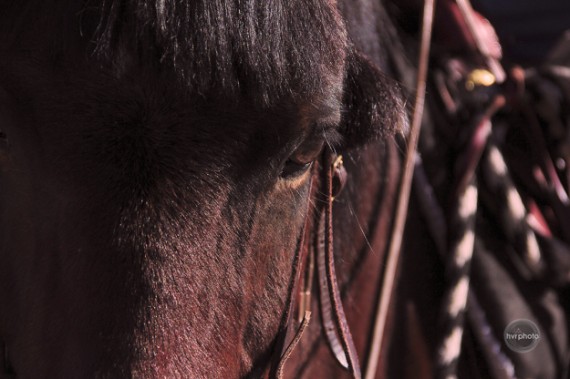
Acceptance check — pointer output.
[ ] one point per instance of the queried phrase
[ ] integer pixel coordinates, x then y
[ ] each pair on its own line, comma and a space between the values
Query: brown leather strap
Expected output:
334, 319
324, 298
287, 353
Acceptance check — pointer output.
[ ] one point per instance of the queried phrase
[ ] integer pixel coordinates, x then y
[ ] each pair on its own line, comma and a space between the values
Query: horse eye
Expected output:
293, 169
302, 158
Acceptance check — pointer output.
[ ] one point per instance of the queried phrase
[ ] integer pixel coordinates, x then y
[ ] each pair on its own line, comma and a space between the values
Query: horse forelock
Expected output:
260, 49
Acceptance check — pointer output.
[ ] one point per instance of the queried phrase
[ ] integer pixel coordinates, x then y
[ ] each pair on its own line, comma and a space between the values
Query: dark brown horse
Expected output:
157, 172
168, 169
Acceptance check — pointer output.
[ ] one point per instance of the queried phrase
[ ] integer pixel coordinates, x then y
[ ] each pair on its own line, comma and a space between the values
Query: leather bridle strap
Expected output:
393, 255
332, 312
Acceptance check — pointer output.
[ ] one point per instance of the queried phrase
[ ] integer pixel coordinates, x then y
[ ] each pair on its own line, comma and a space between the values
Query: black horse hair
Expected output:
264, 49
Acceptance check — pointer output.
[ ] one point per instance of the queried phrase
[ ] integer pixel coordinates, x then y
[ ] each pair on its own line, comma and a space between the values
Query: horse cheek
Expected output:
274, 239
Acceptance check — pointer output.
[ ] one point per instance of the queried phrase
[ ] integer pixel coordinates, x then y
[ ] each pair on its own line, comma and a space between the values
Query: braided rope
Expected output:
461, 242
499, 364
512, 214
458, 267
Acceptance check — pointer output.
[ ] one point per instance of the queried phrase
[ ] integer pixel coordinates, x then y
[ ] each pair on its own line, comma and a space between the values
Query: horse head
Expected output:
156, 180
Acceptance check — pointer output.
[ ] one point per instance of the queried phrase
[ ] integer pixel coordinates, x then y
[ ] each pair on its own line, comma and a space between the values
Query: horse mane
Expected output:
263, 49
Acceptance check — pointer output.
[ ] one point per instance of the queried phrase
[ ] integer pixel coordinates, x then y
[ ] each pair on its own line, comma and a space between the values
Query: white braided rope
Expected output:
455, 300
